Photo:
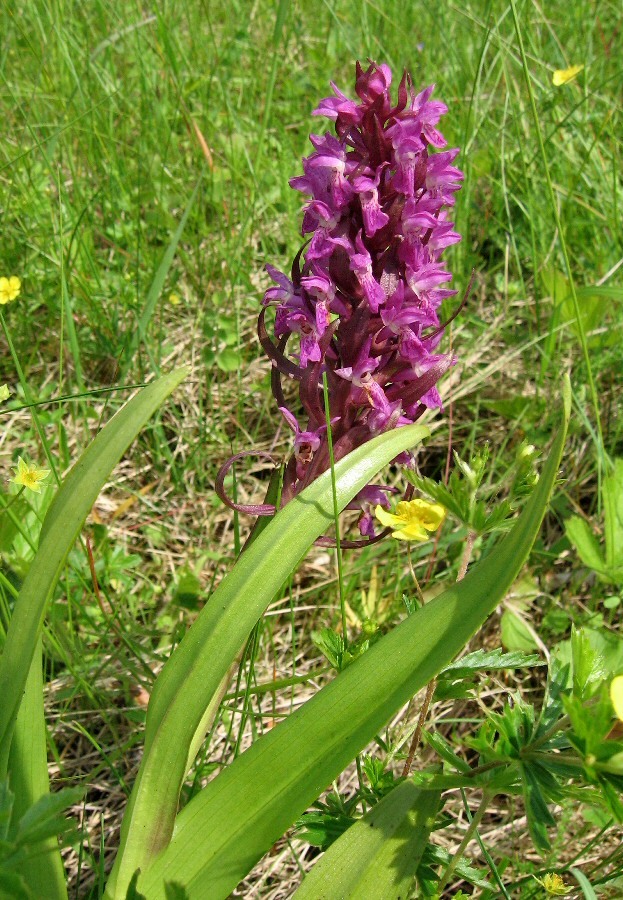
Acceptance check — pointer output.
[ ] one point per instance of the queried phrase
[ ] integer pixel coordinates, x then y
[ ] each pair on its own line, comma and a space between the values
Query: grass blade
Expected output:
563, 244
156, 286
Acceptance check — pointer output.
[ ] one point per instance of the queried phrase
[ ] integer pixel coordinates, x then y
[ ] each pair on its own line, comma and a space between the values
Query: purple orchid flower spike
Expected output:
362, 303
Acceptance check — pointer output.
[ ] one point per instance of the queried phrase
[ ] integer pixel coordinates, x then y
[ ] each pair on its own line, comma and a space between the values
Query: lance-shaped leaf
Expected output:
61, 527
379, 855
225, 829
28, 769
178, 710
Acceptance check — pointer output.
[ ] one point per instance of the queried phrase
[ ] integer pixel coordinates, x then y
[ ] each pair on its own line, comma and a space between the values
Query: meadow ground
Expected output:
144, 166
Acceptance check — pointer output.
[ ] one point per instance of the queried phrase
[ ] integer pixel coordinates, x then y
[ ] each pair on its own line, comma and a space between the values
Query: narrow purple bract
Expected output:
364, 293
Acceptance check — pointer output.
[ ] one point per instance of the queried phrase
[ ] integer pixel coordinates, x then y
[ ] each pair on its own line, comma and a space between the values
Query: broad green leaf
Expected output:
556, 284
588, 549
593, 303
379, 855
61, 527
515, 633
226, 828
229, 360
592, 311
177, 712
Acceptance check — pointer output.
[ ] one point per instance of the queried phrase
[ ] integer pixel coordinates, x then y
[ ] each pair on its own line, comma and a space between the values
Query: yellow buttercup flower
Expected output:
9, 288
562, 76
553, 884
412, 519
616, 695
174, 299
29, 476
5, 393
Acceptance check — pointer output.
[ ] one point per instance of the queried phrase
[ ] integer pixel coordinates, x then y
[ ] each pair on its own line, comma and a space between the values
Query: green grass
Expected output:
145, 155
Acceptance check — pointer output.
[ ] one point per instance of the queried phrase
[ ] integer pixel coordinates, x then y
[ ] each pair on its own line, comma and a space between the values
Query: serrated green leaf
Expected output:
587, 664
537, 812
435, 856
490, 660
456, 505
379, 854
331, 645
441, 746
46, 818
321, 829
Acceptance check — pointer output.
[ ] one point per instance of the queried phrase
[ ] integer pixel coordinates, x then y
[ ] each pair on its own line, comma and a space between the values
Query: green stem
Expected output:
485, 852
12, 500
336, 511
469, 834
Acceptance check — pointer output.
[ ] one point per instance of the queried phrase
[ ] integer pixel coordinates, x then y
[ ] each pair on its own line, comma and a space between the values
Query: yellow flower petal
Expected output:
562, 76
412, 532
429, 515
412, 520
616, 695
553, 884
387, 518
29, 476
5, 393
9, 288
